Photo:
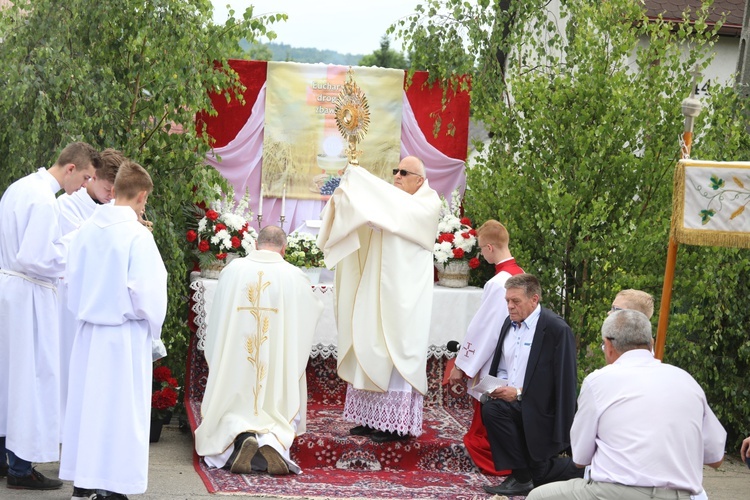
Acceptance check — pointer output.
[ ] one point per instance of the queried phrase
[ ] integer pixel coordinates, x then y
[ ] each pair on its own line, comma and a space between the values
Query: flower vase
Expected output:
313, 274
454, 274
212, 270
155, 431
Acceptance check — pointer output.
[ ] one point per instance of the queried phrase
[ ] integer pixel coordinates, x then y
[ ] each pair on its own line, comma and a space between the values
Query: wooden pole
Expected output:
666, 293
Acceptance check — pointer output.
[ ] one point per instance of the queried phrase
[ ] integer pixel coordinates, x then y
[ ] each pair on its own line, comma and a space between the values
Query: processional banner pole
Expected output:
691, 108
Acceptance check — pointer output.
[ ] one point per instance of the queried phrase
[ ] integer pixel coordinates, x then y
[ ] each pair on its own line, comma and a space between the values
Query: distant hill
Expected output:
284, 52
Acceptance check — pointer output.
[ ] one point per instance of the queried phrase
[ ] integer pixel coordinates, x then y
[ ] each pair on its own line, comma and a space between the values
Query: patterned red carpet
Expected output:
337, 465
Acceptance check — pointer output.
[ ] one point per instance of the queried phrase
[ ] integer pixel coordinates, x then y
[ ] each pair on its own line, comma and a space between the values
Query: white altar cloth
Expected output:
452, 310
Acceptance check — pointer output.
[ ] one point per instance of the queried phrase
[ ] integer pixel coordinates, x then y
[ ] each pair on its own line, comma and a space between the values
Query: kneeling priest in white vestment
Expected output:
258, 342
380, 237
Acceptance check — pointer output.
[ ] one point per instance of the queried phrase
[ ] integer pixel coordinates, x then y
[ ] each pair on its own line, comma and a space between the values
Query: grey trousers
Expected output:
586, 489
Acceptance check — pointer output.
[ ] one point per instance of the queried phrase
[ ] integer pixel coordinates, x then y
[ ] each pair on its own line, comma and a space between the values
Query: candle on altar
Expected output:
260, 202
283, 201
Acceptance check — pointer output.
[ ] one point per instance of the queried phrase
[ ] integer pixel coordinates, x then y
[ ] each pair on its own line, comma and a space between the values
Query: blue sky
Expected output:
347, 26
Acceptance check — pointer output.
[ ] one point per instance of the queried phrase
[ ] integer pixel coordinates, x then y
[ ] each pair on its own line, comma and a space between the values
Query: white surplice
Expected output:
74, 210
380, 239
117, 286
478, 347
258, 343
32, 259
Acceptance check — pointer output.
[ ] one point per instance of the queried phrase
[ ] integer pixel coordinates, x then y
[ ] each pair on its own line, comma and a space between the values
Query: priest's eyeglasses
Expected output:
404, 173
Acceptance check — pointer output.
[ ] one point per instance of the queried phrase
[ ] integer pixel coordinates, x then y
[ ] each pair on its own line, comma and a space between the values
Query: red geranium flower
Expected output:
236, 242
212, 214
474, 263
219, 227
203, 246
221, 256
162, 374
458, 253
466, 221
191, 236
164, 399
172, 382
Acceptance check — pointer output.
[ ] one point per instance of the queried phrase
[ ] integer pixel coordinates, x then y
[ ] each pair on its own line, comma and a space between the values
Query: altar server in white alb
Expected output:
117, 287
75, 208
258, 342
32, 259
380, 238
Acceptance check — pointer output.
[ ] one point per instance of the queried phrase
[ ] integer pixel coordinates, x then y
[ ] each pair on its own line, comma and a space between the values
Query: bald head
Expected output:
272, 238
410, 174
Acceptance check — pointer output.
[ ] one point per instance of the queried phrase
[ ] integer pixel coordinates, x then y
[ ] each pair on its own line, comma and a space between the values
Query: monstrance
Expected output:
352, 116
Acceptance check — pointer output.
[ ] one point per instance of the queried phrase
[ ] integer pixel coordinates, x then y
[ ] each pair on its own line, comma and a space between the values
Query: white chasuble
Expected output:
258, 343
32, 259
380, 239
117, 288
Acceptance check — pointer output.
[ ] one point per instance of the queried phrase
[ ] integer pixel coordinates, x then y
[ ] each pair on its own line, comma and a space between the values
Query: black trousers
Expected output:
507, 439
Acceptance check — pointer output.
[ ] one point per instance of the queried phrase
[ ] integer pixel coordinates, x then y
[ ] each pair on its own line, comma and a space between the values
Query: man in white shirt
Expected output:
644, 426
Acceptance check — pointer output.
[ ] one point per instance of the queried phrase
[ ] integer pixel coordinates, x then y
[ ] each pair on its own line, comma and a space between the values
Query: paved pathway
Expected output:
171, 476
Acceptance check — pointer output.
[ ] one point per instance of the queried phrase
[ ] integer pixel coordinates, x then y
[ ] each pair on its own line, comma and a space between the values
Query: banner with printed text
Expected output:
710, 203
303, 151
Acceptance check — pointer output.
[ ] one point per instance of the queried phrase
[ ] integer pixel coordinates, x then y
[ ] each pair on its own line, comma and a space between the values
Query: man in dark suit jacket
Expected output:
528, 420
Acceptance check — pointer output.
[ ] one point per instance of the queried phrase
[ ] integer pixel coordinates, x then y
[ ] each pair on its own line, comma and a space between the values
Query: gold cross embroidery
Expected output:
255, 341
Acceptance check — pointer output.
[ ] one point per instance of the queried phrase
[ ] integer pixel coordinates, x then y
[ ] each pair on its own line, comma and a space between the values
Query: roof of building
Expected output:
672, 10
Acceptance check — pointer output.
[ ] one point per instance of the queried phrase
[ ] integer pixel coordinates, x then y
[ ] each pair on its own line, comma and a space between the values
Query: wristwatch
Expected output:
518, 394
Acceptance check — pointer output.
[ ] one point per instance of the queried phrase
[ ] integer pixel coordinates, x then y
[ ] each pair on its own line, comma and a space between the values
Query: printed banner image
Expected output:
710, 203
303, 151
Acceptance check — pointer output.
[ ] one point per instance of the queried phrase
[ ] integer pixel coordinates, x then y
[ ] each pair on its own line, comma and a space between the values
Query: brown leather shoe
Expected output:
34, 481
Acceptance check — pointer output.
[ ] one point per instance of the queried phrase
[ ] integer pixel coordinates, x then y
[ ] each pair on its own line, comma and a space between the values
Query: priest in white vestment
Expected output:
258, 342
74, 210
32, 259
380, 238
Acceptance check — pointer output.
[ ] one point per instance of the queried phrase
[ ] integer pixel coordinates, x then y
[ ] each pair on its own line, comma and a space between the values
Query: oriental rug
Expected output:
337, 465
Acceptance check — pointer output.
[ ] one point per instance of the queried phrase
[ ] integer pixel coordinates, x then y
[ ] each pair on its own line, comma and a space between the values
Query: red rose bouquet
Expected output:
223, 229
456, 239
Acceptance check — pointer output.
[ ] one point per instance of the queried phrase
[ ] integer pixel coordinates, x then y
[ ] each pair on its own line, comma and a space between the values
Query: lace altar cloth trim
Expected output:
394, 411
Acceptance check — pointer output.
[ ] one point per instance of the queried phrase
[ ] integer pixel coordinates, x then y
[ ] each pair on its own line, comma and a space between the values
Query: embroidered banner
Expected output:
302, 147
710, 203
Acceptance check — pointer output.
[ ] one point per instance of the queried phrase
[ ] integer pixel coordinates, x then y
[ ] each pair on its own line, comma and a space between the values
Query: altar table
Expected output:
452, 310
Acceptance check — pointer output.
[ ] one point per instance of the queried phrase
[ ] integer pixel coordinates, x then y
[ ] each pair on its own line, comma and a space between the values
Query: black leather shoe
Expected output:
362, 430
510, 487
387, 436
3, 470
34, 481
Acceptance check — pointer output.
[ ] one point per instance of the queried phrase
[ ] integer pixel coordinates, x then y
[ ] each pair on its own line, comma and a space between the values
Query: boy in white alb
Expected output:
32, 259
75, 208
117, 287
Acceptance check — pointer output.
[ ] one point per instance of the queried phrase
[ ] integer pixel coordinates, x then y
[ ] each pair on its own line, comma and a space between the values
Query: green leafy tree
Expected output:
126, 74
385, 57
583, 110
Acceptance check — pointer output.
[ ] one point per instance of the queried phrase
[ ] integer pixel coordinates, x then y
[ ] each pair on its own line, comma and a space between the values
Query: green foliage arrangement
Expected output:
583, 110
131, 75
302, 250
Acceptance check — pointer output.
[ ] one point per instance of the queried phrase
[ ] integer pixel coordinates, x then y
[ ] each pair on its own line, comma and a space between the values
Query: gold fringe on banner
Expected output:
704, 237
